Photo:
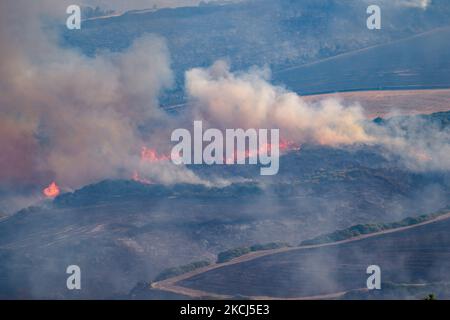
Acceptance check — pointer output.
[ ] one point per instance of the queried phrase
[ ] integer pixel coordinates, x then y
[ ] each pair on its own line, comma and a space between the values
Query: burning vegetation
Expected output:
52, 191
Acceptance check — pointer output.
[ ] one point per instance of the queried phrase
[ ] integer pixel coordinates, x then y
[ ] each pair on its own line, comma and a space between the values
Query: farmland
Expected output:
412, 256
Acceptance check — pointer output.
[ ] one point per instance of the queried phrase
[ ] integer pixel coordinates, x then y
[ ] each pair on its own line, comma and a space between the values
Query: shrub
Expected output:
176, 271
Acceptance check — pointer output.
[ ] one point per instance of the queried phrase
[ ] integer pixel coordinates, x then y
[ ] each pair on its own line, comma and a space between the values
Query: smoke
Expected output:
248, 100
68, 117
420, 143
75, 119
423, 4
165, 172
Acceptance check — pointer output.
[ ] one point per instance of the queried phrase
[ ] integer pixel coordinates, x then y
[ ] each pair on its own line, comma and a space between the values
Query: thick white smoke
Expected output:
421, 145
68, 117
248, 100
77, 119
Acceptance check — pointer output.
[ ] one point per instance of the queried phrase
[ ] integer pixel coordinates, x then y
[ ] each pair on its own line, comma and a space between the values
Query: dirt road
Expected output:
171, 283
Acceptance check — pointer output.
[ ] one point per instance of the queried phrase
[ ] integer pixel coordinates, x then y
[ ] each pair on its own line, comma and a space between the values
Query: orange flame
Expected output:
148, 155
52, 191
286, 145
422, 156
137, 178
151, 155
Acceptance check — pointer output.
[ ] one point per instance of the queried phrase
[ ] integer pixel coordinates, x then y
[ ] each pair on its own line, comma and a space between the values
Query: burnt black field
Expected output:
415, 256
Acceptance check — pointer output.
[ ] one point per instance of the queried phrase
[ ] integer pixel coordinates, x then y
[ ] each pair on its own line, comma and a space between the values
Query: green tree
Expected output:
431, 296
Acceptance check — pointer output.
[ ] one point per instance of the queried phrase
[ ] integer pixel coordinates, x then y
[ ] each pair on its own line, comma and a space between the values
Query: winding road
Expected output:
171, 285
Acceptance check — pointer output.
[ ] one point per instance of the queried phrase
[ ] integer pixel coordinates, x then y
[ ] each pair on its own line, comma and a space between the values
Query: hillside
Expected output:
411, 256
123, 232
90, 112
383, 103
285, 34
362, 230
418, 62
